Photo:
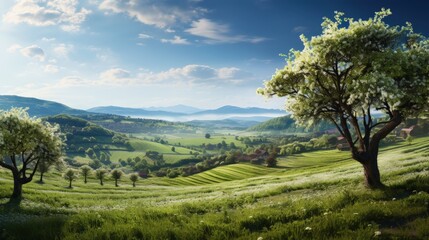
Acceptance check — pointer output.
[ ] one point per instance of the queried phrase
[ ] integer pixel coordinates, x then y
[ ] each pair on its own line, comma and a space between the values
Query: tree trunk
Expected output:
101, 182
134, 184
17, 189
85, 179
41, 177
371, 172
116, 182
70, 186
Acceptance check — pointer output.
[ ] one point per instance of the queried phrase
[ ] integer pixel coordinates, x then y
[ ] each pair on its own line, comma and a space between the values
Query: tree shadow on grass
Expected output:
13, 205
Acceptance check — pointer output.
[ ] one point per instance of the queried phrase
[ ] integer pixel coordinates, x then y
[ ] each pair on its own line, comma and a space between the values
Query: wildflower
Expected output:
308, 229
393, 199
355, 213
377, 233
325, 213
250, 216
370, 225
260, 238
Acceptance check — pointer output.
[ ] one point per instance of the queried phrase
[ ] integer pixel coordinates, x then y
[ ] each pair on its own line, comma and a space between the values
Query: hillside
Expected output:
239, 201
287, 124
137, 125
89, 143
37, 107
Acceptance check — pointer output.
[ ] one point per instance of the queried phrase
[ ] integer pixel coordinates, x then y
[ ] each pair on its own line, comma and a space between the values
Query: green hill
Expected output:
37, 107
288, 124
87, 142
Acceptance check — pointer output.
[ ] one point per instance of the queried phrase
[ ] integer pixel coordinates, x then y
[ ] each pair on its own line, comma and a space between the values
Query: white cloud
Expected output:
152, 12
51, 68
33, 51
63, 50
188, 75
176, 40
144, 36
299, 29
218, 33
63, 13
45, 39
115, 76
169, 30
14, 48
194, 74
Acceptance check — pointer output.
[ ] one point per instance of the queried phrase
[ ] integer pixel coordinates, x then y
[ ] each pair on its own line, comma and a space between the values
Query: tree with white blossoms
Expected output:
353, 68
25, 143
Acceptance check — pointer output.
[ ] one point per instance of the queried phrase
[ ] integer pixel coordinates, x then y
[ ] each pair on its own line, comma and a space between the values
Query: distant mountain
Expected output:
238, 110
133, 112
37, 107
215, 114
176, 109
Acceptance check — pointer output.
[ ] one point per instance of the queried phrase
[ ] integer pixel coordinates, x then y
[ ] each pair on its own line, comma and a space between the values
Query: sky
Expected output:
142, 53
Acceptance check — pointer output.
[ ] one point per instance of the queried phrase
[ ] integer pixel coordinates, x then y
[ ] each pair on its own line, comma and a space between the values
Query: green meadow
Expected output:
314, 195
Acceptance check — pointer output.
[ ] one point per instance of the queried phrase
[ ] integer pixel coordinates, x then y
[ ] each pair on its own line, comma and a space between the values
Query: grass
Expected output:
316, 195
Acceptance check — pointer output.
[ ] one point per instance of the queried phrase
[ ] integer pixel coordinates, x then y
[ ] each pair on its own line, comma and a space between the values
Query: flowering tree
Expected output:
353, 68
25, 143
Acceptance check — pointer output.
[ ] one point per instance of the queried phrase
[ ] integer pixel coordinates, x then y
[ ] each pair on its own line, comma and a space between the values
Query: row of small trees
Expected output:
100, 174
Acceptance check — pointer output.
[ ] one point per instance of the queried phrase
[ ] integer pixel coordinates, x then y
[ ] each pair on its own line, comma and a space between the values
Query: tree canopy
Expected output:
351, 69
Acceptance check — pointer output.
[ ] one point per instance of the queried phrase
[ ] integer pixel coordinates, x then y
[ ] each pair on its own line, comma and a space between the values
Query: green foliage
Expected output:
271, 160
134, 178
372, 68
85, 170
207, 135
70, 175
116, 174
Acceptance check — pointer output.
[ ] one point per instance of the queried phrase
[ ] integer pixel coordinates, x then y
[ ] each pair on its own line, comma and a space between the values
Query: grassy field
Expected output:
197, 141
140, 147
316, 195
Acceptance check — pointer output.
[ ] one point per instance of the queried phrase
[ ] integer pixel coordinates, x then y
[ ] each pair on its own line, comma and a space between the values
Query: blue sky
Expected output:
141, 53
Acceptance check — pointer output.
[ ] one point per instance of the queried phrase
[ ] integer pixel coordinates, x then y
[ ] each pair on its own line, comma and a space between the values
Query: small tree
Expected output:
42, 169
271, 160
117, 174
101, 174
85, 170
173, 149
24, 143
134, 178
70, 175
207, 135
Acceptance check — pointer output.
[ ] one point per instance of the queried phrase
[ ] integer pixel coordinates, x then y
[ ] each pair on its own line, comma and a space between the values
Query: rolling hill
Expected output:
287, 124
37, 107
